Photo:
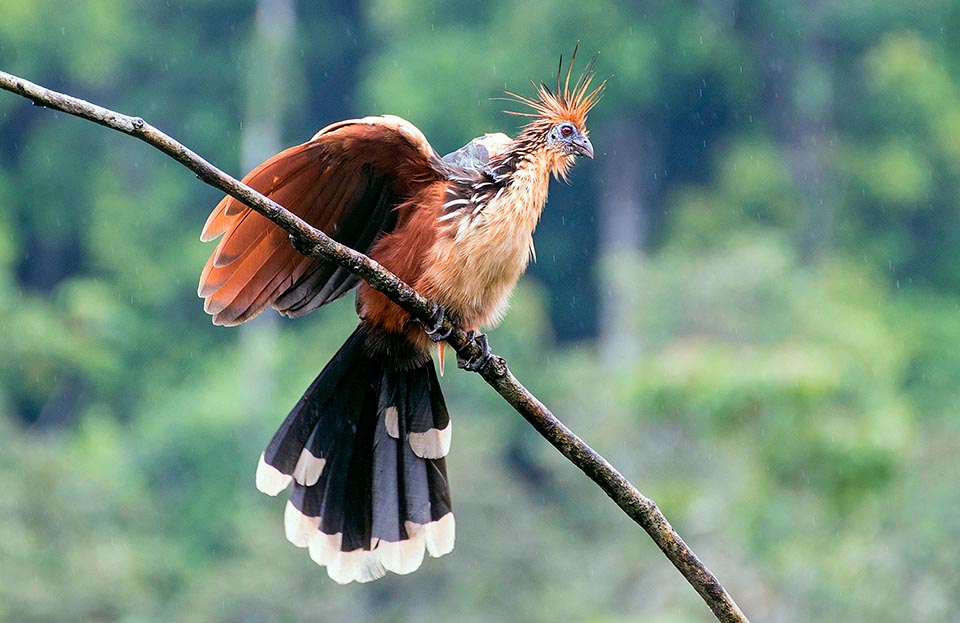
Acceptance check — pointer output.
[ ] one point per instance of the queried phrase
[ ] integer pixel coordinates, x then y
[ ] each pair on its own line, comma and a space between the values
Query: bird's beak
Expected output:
582, 146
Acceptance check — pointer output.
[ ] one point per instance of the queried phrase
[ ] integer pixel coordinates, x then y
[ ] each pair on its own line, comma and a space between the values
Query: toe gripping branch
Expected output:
482, 355
480, 359
436, 332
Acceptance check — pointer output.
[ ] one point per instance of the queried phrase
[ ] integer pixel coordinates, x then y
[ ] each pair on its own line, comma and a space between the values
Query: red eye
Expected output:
566, 130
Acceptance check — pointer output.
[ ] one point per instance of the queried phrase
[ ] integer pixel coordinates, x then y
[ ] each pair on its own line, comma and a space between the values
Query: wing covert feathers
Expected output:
346, 181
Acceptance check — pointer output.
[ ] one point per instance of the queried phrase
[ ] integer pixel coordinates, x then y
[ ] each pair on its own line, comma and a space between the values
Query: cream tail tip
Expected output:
271, 480
308, 469
365, 565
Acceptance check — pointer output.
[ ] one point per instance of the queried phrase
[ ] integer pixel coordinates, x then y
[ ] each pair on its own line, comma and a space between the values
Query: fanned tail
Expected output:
364, 449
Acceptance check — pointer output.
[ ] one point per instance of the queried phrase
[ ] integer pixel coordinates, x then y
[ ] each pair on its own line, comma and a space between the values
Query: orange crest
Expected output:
568, 103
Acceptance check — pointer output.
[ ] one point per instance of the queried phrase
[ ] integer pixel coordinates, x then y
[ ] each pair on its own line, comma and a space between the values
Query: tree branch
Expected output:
312, 241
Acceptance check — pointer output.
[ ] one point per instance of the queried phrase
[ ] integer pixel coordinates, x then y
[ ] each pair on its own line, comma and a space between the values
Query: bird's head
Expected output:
558, 125
570, 140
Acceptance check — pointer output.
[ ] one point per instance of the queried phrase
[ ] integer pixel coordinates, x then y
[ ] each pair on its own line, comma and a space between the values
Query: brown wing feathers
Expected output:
253, 250
347, 181
325, 282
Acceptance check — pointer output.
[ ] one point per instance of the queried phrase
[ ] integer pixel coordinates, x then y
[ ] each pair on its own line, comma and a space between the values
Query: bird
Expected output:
363, 451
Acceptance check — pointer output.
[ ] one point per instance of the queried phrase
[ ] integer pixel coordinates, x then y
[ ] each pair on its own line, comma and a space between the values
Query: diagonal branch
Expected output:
312, 241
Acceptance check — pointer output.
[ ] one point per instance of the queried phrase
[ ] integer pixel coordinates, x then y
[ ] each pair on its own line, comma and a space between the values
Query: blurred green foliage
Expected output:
793, 408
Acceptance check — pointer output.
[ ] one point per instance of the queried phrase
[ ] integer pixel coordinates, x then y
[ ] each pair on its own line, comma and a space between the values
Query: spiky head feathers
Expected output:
568, 103
559, 118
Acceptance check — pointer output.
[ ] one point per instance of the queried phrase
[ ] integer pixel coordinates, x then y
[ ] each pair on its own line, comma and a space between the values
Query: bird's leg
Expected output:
436, 332
478, 361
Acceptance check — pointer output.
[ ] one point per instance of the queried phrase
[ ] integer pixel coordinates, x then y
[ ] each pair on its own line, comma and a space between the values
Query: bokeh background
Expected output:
749, 302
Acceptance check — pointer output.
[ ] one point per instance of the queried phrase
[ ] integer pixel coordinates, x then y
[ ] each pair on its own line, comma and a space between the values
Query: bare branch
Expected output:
314, 242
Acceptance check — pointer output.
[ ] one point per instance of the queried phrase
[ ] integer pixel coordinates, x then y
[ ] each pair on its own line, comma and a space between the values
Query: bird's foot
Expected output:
478, 361
436, 332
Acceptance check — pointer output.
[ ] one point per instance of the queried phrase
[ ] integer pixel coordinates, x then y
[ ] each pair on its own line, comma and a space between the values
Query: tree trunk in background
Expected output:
807, 127
269, 71
271, 68
627, 183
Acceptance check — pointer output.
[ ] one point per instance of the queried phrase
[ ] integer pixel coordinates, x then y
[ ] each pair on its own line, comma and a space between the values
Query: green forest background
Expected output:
749, 302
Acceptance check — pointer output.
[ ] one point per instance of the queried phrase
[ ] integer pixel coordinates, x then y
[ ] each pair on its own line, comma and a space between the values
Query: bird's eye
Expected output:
566, 130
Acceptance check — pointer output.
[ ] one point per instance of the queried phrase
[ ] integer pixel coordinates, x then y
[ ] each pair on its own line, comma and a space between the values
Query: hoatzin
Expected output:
364, 448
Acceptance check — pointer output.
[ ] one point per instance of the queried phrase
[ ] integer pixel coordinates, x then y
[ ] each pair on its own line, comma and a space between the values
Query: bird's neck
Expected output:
525, 169
527, 186
528, 158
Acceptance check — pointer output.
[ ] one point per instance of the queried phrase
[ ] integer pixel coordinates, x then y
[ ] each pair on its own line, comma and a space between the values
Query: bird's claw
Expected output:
436, 333
478, 361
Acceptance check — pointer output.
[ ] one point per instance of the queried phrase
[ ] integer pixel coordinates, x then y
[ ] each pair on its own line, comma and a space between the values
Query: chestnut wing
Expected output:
347, 182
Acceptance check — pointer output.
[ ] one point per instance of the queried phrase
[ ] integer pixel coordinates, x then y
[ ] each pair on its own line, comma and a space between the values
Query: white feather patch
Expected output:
440, 535
371, 567
390, 420
345, 567
435, 538
271, 480
324, 547
308, 469
402, 557
356, 566
432, 443
297, 527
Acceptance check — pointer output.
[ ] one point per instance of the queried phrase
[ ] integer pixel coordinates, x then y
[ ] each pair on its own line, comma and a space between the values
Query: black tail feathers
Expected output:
364, 449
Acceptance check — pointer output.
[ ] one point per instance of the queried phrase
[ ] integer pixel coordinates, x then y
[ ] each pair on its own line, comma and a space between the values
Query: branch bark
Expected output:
312, 241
